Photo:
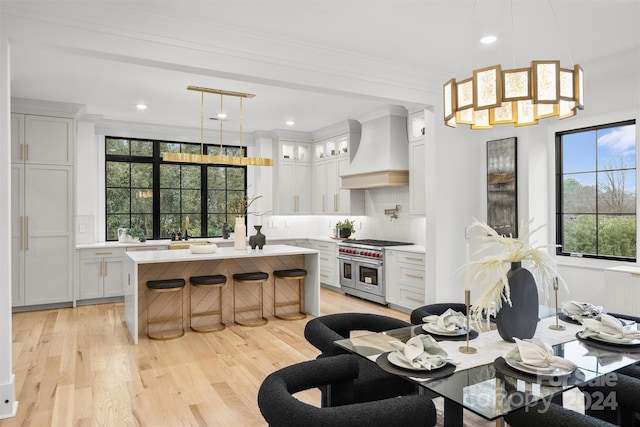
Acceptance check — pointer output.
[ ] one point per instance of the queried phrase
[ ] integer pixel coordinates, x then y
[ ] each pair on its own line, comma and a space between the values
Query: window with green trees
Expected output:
596, 191
142, 191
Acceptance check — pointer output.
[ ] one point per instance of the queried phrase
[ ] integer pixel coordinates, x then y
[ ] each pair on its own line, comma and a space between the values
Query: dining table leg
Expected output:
452, 414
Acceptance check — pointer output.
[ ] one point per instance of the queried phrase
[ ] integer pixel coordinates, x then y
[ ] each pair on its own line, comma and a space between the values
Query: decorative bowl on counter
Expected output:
207, 248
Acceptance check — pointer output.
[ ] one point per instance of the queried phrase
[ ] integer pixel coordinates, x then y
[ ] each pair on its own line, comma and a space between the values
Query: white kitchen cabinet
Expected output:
42, 210
328, 262
417, 177
416, 125
101, 273
42, 234
405, 279
293, 178
332, 160
42, 139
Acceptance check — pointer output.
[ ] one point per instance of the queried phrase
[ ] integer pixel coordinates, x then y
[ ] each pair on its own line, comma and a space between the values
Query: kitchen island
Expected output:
141, 267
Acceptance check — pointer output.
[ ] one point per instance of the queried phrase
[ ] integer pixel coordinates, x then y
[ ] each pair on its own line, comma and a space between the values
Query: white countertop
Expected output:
418, 249
217, 240
178, 255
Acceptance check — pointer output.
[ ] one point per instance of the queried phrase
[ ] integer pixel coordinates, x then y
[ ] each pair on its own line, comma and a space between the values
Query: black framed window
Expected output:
596, 192
142, 191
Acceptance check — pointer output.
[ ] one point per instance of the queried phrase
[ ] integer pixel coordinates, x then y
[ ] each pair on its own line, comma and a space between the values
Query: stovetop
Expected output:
373, 242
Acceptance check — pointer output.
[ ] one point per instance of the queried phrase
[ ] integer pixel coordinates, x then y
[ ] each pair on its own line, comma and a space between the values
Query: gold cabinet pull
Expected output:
414, 299
101, 267
26, 234
21, 227
26, 156
106, 267
21, 156
414, 276
103, 253
335, 203
408, 258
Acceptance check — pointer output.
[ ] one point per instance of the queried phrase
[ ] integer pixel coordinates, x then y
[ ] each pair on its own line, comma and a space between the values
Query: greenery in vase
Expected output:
136, 233
347, 224
491, 270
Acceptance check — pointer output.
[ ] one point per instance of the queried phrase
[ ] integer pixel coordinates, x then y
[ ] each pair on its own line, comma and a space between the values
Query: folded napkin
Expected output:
609, 327
421, 352
536, 353
450, 320
580, 310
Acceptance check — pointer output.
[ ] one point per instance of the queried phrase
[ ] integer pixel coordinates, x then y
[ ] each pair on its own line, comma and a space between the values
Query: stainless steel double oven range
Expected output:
362, 268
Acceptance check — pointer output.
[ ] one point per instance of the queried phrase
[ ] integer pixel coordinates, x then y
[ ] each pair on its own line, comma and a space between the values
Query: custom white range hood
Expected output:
382, 157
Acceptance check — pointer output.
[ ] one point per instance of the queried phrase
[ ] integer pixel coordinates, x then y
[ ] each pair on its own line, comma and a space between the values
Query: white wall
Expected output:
8, 403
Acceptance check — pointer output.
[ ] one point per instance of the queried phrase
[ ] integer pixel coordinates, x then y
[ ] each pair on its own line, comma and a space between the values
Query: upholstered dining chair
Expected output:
373, 383
615, 397
281, 409
435, 309
539, 415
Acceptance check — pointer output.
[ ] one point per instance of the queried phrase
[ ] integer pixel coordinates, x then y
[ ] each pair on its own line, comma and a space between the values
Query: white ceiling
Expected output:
414, 45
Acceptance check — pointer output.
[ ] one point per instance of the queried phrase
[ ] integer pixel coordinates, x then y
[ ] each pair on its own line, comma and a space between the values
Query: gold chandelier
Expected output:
520, 96
203, 158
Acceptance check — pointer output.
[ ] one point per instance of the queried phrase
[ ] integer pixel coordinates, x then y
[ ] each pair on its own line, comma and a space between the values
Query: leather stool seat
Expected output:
165, 286
251, 278
212, 281
291, 274
256, 275
294, 272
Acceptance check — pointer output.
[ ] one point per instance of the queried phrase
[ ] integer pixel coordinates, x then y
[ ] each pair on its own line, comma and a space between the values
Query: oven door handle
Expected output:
372, 264
345, 258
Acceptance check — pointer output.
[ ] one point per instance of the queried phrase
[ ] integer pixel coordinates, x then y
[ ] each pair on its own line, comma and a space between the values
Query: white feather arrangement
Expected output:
490, 271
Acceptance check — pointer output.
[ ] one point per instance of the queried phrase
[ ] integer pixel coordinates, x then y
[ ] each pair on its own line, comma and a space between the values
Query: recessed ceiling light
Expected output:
290, 122
141, 106
488, 39
222, 115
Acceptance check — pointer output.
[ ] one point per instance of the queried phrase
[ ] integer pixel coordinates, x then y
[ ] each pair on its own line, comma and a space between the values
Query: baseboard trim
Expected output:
8, 402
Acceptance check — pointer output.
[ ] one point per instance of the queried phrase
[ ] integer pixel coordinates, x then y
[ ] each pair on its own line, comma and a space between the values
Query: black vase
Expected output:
345, 233
257, 239
520, 319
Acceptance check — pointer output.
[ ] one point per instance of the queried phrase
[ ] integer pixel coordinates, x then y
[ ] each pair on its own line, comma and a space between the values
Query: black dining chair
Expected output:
373, 383
553, 415
435, 309
281, 409
614, 397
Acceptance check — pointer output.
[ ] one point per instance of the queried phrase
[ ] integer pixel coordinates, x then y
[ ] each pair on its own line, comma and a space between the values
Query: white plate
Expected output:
542, 372
393, 358
435, 329
611, 340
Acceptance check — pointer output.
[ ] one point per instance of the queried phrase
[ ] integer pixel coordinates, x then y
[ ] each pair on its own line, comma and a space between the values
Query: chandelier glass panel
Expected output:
519, 96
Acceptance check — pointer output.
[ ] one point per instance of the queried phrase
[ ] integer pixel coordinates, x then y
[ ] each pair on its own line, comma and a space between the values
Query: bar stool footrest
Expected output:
205, 329
165, 335
251, 322
291, 316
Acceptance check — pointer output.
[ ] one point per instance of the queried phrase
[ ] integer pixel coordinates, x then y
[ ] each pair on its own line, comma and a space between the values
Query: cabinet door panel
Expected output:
17, 235
332, 186
48, 270
113, 277
47, 203
17, 136
49, 139
287, 187
91, 272
303, 187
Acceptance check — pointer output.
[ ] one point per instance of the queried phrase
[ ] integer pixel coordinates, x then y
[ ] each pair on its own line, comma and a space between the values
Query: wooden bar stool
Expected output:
216, 281
293, 274
163, 286
254, 278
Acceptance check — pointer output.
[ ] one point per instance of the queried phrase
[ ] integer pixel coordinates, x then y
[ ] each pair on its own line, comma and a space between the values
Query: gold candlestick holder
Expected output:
557, 326
467, 301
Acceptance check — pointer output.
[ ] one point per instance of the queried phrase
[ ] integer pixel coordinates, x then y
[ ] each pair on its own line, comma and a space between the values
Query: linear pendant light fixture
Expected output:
519, 96
203, 158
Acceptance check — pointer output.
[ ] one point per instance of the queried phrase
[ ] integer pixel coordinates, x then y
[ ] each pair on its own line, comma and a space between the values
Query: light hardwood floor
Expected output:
78, 367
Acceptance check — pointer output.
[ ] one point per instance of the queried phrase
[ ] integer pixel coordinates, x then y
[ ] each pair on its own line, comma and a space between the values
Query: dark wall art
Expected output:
502, 186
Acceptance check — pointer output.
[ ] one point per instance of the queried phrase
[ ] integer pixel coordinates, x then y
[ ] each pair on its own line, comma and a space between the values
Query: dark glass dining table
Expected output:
484, 383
